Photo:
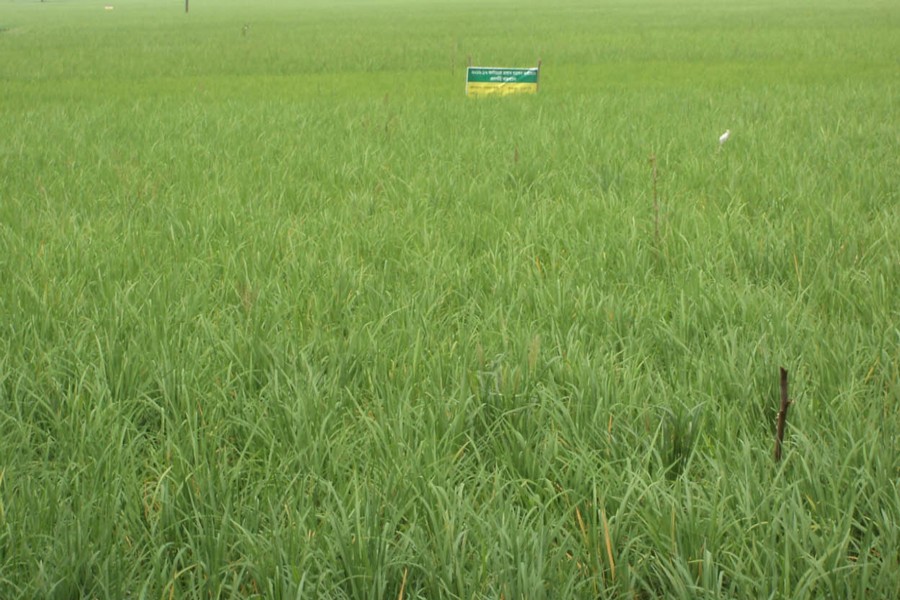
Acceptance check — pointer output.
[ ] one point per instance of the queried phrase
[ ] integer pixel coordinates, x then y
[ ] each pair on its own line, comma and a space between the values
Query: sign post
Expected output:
502, 81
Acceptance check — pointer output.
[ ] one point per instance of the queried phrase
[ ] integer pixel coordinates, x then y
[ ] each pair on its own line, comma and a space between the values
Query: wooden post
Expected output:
782, 414
186, 6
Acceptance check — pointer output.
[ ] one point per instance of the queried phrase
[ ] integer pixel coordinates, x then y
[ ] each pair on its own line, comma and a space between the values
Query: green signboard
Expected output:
481, 81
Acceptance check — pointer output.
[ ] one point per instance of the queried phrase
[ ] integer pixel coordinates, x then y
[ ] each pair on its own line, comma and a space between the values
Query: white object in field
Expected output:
108, 7
724, 137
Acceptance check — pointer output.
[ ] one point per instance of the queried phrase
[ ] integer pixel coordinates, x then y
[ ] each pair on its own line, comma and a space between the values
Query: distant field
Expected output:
284, 314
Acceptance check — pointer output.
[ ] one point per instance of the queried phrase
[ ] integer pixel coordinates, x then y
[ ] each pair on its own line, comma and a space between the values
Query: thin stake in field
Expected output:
782, 414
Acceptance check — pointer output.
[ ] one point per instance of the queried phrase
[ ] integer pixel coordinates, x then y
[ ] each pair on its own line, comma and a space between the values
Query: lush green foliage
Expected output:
283, 313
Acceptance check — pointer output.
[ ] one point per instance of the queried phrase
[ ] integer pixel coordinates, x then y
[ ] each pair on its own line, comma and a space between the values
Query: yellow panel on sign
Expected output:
500, 89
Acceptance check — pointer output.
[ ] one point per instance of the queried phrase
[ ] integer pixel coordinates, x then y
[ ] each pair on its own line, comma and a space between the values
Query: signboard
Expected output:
484, 81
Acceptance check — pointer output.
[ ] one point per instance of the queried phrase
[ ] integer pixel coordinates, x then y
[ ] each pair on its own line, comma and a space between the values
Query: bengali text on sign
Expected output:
482, 81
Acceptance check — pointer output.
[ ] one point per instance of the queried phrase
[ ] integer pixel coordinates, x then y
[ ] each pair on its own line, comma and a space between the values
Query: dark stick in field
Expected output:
782, 414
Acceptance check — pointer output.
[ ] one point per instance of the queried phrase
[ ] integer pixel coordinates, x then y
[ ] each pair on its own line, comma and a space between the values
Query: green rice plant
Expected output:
285, 314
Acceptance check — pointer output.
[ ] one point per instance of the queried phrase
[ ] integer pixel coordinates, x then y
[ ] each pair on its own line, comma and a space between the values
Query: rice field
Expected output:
284, 314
